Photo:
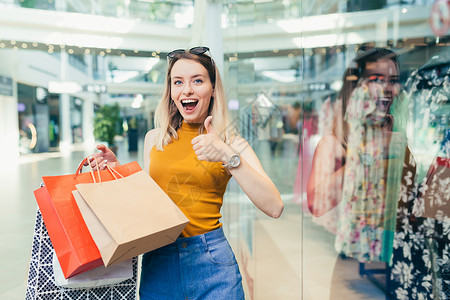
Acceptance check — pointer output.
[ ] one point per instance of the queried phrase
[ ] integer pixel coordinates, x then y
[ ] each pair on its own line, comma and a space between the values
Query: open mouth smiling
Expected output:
189, 104
384, 104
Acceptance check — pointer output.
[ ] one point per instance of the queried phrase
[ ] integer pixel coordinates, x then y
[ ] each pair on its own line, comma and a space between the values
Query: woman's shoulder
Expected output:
330, 143
151, 133
150, 138
329, 140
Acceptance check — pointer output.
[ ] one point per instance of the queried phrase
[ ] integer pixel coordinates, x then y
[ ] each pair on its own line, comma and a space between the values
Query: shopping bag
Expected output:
73, 244
41, 283
100, 276
136, 216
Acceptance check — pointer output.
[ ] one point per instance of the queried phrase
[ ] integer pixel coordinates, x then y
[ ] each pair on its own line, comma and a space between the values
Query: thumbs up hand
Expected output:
209, 146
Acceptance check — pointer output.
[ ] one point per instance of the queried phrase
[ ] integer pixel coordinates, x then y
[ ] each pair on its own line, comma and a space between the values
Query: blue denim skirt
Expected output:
198, 267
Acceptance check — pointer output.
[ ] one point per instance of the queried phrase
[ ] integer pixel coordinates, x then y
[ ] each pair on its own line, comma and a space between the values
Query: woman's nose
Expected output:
388, 88
391, 88
187, 90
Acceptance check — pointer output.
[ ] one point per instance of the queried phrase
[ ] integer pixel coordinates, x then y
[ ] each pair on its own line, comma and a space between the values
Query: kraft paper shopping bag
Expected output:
73, 244
136, 216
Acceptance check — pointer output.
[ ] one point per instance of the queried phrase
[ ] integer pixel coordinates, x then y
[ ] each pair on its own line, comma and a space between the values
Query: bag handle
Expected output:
111, 170
92, 172
80, 168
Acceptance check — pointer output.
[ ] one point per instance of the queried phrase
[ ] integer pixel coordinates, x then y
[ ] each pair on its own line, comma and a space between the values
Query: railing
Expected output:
178, 13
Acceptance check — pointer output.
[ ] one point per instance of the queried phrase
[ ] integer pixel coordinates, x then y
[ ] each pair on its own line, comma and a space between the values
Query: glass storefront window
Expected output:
358, 146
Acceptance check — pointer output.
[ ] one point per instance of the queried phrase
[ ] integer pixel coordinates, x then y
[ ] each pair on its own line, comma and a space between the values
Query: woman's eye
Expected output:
394, 81
198, 81
177, 82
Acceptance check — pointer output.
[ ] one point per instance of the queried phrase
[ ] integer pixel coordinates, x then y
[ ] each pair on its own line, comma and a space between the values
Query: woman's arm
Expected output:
107, 157
254, 181
249, 174
324, 187
149, 142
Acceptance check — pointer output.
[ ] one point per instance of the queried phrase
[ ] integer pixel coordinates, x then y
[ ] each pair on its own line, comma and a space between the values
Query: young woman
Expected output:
192, 154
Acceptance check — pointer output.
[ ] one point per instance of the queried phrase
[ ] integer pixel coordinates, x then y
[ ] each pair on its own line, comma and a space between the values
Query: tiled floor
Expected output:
279, 247
18, 180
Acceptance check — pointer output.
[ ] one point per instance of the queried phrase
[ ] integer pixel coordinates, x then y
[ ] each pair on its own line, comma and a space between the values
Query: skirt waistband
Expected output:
198, 242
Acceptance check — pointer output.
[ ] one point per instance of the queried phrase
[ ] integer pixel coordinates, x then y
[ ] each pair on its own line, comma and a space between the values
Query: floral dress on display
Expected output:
421, 258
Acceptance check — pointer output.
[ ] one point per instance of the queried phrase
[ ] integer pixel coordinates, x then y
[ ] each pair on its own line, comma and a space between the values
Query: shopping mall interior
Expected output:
68, 67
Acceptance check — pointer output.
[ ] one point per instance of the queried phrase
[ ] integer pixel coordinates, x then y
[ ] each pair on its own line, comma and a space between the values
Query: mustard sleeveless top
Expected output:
196, 187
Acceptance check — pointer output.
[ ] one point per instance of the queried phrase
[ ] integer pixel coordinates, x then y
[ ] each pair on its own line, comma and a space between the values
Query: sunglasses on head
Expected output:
195, 50
199, 50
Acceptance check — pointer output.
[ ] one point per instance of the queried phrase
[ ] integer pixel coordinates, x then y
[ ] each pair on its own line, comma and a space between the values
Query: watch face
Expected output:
366, 159
235, 161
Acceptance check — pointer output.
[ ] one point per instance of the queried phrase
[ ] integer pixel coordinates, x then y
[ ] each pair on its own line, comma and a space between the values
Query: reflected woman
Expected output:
358, 172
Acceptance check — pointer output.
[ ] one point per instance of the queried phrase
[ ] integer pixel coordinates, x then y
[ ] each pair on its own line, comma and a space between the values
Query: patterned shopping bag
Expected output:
41, 282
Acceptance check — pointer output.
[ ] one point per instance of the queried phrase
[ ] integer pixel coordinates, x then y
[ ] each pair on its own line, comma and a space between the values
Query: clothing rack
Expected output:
369, 273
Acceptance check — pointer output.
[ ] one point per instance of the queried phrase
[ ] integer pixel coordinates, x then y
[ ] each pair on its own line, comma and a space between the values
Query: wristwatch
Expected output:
366, 158
234, 162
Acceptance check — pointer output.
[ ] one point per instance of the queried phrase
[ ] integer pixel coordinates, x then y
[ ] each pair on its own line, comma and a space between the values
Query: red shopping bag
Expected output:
70, 237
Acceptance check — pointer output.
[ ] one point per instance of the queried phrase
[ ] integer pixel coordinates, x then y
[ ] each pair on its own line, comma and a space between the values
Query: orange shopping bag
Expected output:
74, 247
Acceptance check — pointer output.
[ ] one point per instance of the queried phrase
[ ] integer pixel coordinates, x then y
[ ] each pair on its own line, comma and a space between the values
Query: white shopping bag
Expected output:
96, 277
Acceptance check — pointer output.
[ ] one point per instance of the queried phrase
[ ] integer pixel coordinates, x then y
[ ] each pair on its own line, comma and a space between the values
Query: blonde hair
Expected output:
167, 117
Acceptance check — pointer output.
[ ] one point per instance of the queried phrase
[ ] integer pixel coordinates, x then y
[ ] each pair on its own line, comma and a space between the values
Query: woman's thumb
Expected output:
102, 148
208, 125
